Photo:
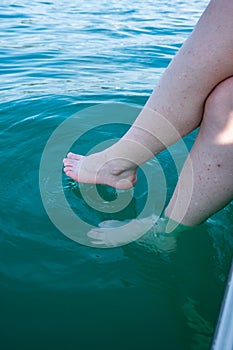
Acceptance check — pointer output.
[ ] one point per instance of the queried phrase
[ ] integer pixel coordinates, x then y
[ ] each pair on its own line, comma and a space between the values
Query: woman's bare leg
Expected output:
204, 187
204, 61
206, 181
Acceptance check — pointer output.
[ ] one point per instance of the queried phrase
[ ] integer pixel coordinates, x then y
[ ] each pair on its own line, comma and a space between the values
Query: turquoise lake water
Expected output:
57, 58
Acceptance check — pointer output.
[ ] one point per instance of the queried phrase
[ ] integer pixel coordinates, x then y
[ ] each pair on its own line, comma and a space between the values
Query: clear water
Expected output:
58, 57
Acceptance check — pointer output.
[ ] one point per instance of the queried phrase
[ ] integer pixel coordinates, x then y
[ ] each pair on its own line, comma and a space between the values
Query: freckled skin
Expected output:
209, 193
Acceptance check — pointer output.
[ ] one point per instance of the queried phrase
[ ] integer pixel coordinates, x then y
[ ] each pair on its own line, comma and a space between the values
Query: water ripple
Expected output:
59, 47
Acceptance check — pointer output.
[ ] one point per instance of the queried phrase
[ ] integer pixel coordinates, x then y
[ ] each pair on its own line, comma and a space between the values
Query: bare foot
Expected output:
99, 168
113, 233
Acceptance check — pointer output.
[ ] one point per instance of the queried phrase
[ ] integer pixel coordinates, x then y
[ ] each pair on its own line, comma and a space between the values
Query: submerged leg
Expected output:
204, 60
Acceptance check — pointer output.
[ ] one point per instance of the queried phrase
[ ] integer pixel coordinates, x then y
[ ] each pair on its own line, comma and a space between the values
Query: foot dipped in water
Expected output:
114, 233
100, 168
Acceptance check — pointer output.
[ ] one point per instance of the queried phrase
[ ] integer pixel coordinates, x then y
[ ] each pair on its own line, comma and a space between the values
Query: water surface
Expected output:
57, 58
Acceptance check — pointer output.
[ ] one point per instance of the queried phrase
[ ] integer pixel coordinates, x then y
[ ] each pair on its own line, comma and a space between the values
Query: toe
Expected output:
69, 162
98, 242
69, 172
74, 156
96, 233
110, 224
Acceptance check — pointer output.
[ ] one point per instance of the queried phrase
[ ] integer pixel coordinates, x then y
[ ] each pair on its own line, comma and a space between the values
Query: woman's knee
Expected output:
219, 104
